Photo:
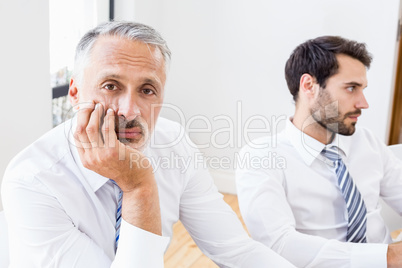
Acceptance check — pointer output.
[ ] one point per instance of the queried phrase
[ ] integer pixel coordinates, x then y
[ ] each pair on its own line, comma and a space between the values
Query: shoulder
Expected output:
41, 155
266, 144
265, 155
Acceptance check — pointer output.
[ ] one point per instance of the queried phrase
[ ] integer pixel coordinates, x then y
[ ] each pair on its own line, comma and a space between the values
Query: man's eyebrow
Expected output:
353, 84
154, 81
149, 81
108, 76
145, 80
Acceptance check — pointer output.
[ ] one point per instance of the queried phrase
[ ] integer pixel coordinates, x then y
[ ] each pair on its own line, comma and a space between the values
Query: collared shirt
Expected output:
291, 202
61, 214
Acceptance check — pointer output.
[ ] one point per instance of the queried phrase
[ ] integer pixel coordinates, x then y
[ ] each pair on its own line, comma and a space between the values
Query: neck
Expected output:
306, 124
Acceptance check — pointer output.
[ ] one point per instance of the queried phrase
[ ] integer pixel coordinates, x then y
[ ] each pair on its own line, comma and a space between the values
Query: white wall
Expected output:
25, 110
227, 51
223, 52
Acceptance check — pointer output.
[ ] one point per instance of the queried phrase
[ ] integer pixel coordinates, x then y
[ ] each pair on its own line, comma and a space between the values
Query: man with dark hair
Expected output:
321, 209
90, 193
318, 58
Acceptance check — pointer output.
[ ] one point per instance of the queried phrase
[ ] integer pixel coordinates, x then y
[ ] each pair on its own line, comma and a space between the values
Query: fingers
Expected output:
88, 134
108, 131
93, 128
83, 117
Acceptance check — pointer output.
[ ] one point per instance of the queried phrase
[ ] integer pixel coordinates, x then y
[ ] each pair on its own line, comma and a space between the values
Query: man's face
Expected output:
129, 77
339, 105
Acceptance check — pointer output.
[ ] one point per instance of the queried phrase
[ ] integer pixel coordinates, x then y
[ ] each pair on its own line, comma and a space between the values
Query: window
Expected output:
69, 21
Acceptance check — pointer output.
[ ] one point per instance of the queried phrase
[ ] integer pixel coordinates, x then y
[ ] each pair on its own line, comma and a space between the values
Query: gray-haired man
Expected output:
89, 193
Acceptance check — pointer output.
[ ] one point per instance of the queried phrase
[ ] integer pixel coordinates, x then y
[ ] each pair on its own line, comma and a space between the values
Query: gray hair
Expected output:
130, 30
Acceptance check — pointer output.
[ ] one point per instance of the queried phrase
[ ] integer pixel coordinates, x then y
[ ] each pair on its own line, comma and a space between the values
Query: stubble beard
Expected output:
326, 114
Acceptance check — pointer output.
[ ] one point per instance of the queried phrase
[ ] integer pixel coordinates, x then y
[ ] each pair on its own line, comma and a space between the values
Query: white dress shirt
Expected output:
61, 214
291, 202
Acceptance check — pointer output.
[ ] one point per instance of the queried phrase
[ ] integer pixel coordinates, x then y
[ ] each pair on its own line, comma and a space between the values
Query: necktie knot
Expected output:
332, 153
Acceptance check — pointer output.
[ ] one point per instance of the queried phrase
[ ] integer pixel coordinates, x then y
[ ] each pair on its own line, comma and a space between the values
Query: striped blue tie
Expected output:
118, 215
355, 205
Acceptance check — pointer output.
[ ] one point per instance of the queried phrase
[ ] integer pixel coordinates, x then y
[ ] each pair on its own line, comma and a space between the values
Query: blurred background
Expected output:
226, 81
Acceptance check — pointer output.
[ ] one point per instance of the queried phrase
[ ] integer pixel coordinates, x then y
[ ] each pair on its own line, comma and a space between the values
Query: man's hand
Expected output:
394, 255
101, 152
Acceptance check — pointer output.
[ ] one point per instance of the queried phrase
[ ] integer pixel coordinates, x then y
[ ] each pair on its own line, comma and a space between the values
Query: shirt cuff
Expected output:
139, 248
369, 255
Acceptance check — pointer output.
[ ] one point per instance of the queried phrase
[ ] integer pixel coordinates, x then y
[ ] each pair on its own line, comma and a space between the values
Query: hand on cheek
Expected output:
101, 151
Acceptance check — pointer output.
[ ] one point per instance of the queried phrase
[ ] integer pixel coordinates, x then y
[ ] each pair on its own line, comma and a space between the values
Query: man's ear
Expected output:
73, 93
308, 86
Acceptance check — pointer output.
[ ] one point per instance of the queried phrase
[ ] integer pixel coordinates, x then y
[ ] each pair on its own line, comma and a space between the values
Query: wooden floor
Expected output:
184, 253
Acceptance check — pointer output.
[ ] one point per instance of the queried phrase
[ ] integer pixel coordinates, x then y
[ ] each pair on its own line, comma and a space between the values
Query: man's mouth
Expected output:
134, 133
354, 116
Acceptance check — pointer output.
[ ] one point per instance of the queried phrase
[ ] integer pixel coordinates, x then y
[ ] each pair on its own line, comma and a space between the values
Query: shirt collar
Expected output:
95, 180
342, 142
308, 147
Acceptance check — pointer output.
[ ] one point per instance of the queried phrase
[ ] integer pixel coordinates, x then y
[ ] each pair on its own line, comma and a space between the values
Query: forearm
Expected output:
226, 241
140, 207
313, 251
394, 253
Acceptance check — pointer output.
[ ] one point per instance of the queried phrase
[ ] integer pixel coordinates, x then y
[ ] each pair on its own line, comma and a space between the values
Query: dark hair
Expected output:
317, 57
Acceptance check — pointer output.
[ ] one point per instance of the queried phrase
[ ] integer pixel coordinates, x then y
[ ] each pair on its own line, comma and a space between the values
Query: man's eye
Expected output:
350, 89
110, 87
148, 91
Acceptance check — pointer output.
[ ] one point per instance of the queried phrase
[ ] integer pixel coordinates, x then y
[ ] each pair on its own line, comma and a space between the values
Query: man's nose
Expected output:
362, 102
128, 108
